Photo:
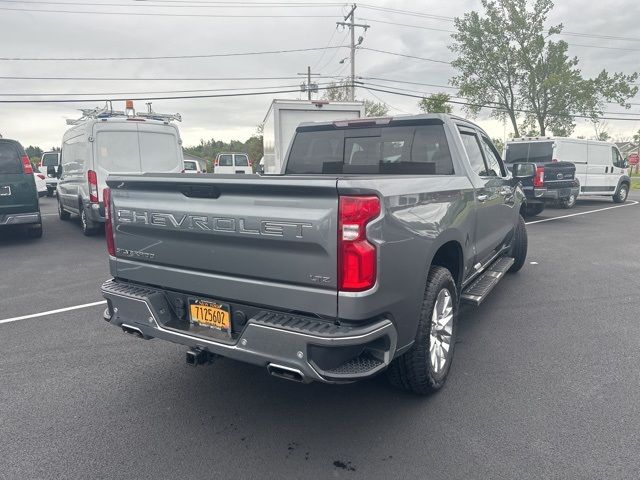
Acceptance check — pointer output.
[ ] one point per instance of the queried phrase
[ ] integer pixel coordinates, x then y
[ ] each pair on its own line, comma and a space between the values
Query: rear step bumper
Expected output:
319, 350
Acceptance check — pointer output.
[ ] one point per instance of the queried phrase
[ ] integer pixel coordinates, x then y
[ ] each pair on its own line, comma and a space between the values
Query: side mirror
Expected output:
524, 170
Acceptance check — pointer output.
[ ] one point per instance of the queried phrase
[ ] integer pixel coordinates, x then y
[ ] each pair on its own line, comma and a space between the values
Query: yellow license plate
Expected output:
210, 314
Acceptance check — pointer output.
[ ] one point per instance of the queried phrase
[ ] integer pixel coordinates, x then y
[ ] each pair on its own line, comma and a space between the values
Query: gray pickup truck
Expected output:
353, 261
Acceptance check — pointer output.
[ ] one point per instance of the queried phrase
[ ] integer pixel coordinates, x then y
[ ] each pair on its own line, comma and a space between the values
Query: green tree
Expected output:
436, 103
499, 144
524, 73
339, 92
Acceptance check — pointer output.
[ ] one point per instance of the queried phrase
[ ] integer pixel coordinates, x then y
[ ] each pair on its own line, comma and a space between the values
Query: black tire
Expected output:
62, 213
519, 246
569, 202
533, 209
49, 192
622, 193
413, 371
88, 227
35, 231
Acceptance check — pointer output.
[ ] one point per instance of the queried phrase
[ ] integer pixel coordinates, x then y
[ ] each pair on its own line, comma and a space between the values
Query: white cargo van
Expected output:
600, 168
283, 118
105, 142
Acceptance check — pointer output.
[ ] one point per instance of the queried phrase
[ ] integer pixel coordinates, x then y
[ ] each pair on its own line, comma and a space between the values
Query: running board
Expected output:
480, 288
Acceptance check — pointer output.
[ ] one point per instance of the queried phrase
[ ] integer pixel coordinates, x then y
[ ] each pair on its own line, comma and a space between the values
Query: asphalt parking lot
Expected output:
545, 383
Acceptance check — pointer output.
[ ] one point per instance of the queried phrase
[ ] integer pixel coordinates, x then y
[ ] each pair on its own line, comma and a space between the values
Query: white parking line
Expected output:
51, 312
633, 202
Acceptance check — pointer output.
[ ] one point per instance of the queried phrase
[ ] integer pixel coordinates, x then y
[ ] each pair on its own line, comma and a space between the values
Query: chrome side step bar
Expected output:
480, 288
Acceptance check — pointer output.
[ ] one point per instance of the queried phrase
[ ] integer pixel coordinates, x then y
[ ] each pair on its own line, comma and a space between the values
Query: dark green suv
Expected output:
18, 194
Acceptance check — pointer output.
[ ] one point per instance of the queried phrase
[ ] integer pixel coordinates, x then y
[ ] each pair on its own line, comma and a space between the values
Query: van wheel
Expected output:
569, 202
49, 192
519, 246
88, 227
62, 213
35, 231
622, 193
423, 369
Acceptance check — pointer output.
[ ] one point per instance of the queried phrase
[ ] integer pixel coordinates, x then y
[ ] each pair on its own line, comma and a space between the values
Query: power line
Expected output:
324, 51
146, 79
179, 97
491, 107
155, 14
409, 83
156, 92
164, 57
195, 4
406, 56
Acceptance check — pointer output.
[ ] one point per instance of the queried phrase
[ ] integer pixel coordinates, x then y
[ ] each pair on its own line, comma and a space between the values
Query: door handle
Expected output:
482, 198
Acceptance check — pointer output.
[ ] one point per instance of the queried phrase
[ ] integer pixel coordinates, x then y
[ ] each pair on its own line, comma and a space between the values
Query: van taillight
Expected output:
27, 169
538, 180
93, 186
108, 222
215, 164
356, 255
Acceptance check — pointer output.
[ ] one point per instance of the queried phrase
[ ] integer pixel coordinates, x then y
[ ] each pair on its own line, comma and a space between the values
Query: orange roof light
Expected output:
129, 104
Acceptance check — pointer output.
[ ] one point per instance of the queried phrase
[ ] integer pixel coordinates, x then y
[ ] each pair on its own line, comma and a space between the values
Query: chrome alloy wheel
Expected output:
441, 329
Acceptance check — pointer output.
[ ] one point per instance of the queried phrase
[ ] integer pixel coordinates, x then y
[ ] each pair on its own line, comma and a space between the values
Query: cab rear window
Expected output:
537, 152
9, 158
408, 150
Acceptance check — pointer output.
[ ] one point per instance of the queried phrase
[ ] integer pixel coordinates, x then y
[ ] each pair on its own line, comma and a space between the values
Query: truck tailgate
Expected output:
257, 240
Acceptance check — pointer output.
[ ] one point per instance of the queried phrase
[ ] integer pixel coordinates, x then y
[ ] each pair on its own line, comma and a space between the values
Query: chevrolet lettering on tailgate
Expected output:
212, 224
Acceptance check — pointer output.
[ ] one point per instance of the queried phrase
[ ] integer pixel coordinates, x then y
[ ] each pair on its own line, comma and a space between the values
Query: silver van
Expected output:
97, 147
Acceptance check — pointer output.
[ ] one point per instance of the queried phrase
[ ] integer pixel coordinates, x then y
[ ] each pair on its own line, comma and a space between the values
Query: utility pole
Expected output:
309, 87
352, 26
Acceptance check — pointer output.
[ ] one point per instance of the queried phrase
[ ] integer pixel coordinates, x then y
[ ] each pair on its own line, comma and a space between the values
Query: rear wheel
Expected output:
622, 193
62, 213
88, 227
423, 369
49, 192
569, 202
533, 209
519, 246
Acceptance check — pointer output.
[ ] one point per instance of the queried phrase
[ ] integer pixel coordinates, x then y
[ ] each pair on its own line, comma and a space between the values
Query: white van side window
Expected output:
74, 155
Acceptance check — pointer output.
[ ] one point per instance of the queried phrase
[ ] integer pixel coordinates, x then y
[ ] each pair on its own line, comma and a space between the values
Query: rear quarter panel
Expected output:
420, 214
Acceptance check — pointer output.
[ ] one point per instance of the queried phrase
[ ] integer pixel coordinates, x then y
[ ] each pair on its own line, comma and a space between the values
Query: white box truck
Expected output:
283, 118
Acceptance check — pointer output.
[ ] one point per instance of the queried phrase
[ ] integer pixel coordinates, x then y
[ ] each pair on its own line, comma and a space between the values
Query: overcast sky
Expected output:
60, 33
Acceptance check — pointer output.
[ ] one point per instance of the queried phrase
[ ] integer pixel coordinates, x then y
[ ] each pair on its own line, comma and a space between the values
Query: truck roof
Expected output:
443, 117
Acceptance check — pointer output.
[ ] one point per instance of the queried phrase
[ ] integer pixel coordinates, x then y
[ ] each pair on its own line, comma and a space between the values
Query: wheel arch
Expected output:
448, 253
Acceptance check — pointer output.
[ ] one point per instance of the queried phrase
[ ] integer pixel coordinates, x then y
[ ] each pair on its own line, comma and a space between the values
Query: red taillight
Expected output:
356, 255
41, 176
93, 186
538, 180
26, 165
108, 222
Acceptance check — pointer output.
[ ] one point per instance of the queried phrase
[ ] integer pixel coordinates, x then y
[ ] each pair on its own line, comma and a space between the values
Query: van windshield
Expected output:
537, 152
127, 151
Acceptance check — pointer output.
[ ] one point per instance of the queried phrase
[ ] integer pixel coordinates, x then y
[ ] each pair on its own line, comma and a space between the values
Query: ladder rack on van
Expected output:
107, 112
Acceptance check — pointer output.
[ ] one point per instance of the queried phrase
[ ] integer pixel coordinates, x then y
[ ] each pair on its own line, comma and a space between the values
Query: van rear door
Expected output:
17, 189
135, 147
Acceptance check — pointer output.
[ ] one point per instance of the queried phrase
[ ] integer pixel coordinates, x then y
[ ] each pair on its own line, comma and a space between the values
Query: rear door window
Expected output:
118, 151
50, 160
242, 161
417, 150
225, 161
158, 152
537, 152
9, 158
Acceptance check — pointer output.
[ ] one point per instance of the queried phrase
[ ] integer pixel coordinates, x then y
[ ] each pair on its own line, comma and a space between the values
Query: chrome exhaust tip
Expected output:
128, 329
287, 373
